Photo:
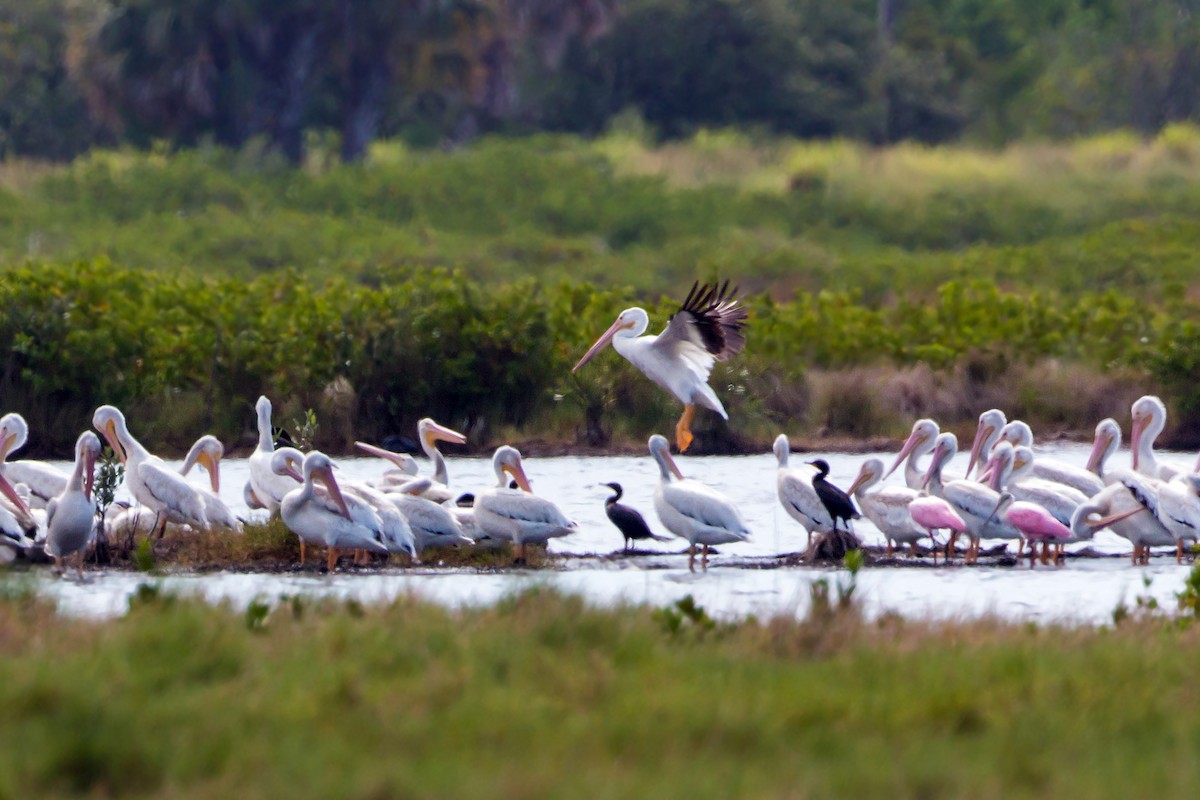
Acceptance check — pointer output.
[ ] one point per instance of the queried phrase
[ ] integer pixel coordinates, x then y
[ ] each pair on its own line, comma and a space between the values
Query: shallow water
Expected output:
1085, 590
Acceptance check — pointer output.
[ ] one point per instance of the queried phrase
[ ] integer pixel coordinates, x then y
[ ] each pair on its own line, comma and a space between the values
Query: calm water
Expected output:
1085, 590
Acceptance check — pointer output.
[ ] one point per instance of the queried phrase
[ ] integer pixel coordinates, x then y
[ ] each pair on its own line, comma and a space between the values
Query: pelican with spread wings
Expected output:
706, 329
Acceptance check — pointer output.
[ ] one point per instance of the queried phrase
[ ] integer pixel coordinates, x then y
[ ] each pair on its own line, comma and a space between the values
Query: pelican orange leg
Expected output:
683, 432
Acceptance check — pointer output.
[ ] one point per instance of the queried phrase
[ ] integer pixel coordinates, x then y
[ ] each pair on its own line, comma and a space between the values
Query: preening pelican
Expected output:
1149, 419
691, 510
1019, 434
887, 507
207, 452
71, 517
973, 501
150, 481
1117, 509
325, 517
707, 328
518, 515
269, 486
430, 433
44, 481
433, 524
797, 495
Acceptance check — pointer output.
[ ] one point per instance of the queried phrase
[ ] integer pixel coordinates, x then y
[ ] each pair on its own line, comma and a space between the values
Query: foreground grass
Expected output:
545, 696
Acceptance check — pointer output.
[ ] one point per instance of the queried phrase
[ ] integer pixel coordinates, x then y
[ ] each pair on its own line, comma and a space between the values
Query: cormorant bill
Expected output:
628, 520
836, 502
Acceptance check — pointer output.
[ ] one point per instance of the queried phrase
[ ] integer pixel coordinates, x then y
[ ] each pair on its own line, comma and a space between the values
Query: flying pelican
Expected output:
1034, 522
1119, 510
517, 515
433, 524
919, 442
629, 520
1149, 419
44, 481
207, 452
1019, 434
972, 500
269, 487
887, 507
797, 495
430, 433
71, 517
152, 483
707, 328
325, 517
991, 422
691, 510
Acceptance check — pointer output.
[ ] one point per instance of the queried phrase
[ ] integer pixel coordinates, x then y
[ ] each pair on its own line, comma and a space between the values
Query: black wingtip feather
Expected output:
718, 317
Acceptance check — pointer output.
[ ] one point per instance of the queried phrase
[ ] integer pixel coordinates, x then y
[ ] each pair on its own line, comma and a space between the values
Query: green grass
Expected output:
545, 696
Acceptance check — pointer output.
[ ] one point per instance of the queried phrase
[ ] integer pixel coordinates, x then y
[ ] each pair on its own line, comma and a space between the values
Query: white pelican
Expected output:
973, 501
919, 442
71, 517
326, 517
796, 494
887, 506
707, 328
405, 466
397, 534
517, 515
1149, 419
150, 481
1057, 498
430, 433
44, 481
1019, 434
1179, 510
433, 524
13, 537
207, 452
691, 510
1124, 514
269, 486
991, 422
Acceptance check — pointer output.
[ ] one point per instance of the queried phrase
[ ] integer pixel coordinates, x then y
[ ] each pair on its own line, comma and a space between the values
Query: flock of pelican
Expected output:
1005, 493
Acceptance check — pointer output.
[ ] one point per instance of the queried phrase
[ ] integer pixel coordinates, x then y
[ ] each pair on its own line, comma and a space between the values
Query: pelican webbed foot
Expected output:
683, 433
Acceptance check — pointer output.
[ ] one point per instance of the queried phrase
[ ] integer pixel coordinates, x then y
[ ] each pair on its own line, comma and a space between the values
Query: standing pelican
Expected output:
919, 442
1179, 510
207, 452
152, 483
707, 328
1149, 419
71, 517
973, 501
691, 510
518, 515
325, 517
44, 481
1118, 509
269, 486
797, 495
887, 507
433, 524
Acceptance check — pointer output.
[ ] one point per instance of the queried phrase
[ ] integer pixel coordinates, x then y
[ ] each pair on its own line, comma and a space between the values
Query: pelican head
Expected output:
318, 467
1006, 499
403, 461
924, 433
289, 461
869, 474
87, 450
111, 423
1001, 465
630, 322
990, 423
507, 459
1108, 439
13, 433
1087, 518
1149, 418
432, 432
661, 450
1017, 433
945, 448
207, 452
782, 449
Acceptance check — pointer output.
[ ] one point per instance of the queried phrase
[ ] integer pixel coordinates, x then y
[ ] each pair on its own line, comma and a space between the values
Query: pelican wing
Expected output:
43, 480
705, 506
522, 506
707, 328
174, 492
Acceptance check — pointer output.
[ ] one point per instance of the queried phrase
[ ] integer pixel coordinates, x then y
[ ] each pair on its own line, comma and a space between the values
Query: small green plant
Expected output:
256, 615
143, 556
1189, 598
305, 430
684, 615
149, 594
